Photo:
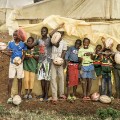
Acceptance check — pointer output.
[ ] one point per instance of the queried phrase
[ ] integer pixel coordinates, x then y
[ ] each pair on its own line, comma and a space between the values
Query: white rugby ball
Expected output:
95, 96
105, 99
55, 38
108, 42
17, 60
117, 57
3, 46
17, 100
58, 61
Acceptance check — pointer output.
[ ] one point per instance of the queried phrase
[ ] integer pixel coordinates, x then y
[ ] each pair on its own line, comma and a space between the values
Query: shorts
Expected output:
73, 74
44, 72
87, 71
13, 69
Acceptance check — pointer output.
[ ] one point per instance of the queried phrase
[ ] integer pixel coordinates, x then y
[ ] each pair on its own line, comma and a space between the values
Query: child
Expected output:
106, 72
71, 58
85, 59
29, 65
58, 50
117, 75
17, 47
44, 64
97, 65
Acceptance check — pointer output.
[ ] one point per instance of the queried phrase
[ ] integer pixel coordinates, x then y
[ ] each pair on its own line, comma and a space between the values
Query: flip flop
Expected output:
63, 97
74, 98
10, 100
88, 98
84, 98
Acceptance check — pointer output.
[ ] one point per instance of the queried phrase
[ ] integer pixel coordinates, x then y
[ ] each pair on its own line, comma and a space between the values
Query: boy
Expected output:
87, 67
17, 47
58, 50
71, 58
106, 72
117, 75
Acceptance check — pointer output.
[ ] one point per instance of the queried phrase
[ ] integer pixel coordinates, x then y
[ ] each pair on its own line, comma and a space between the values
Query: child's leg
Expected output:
74, 90
26, 82
31, 82
104, 86
10, 82
43, 88
19, 86
109, 86
84, 85
47, 86
89, 85
100, 84
117, 84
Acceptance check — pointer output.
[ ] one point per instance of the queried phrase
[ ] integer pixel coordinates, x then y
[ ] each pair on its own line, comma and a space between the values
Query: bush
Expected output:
109, 112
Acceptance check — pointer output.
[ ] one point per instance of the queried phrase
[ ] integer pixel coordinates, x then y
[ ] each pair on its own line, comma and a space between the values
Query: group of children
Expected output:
81, 60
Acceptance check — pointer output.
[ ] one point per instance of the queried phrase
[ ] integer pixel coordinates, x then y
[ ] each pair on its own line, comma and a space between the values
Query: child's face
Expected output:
107, 53
29, 41
77, 45
86, 43
15, 36
43, 32
98, 48
118, 48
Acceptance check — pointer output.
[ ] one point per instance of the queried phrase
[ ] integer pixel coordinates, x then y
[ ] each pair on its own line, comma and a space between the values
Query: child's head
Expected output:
44, 31
118, 47
30, 40
107, 52
78, 43
86, 42
15, 35
98, 48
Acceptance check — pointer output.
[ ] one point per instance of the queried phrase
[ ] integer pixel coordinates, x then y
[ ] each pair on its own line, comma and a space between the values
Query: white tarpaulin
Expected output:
14, 3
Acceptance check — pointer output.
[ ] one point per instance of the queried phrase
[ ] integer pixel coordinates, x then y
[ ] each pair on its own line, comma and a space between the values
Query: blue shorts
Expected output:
88, 71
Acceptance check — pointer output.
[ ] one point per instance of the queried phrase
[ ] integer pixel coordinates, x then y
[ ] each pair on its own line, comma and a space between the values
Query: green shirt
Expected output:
30, 64
86, 60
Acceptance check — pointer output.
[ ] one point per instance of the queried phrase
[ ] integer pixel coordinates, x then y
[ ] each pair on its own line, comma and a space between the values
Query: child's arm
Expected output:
7, 52
67, 56
32, 45
23, 56
60, 26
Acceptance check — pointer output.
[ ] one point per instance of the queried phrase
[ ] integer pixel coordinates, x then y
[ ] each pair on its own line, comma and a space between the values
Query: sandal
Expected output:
10, 100
54, 102
69, 98
88, 98
84, 98
63, 97
74, 98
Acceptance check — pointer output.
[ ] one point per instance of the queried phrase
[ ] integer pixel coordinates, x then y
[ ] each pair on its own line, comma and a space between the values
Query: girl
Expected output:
29, 65
85, 60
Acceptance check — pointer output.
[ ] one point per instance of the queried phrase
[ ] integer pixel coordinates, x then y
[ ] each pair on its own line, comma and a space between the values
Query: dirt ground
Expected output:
63, 107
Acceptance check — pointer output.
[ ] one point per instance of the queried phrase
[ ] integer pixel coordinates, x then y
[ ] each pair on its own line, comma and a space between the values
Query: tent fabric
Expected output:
78, 29
14, 3
77, 9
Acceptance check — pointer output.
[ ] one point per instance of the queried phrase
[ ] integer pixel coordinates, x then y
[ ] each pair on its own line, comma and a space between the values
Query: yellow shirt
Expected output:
86, 59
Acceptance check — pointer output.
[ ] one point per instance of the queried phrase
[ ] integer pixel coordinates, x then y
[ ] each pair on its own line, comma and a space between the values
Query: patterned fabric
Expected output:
73, 74
44, 71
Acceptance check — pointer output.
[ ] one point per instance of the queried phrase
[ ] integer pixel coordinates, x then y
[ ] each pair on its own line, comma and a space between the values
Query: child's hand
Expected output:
87, 54
61, 25
16, 64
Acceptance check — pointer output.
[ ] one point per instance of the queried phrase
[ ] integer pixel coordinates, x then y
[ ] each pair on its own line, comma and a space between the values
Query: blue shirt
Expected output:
72, 54
16, 49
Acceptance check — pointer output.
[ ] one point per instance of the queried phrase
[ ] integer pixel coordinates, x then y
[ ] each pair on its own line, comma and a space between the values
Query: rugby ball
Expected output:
117, 57
58, 61
105, 99
17, 60
3, 46
55, 38
17, 100
95, 96
108, 42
